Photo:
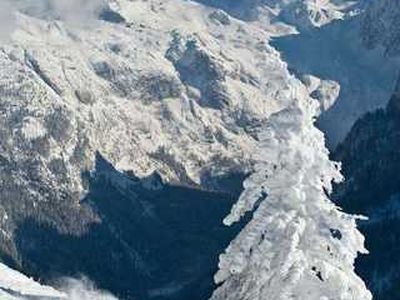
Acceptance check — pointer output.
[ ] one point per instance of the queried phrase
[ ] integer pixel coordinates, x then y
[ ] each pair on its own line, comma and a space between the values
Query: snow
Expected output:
337, 52
288, 249
100, 84
32, 129
186, 90
83, 289
288, 16
13, 283
16, 286
325, 91
359, 53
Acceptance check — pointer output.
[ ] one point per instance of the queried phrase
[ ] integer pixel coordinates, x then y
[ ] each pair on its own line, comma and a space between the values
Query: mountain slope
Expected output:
174, 87
302, 14
15, 286
371, 159
381, 26
171, 87
155, 240
343, 52
371, 163
370, 156
127, 91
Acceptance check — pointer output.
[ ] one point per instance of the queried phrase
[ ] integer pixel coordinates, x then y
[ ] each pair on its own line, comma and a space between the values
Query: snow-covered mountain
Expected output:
176, 88
343, 52
370, 156
171, 98
128, 91
298, 14
371, 159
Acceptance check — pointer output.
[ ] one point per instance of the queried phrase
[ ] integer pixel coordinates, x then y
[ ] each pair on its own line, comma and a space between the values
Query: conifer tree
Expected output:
298, 244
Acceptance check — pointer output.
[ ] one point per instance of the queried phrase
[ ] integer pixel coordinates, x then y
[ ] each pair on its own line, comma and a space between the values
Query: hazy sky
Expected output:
75, 12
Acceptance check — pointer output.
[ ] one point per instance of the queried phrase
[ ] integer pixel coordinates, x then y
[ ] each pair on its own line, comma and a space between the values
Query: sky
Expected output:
73, 12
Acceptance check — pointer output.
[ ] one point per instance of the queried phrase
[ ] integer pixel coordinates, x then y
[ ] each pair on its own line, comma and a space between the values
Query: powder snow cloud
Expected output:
83, 289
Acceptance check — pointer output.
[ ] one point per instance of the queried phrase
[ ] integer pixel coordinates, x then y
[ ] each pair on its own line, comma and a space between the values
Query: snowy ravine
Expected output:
298, 245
